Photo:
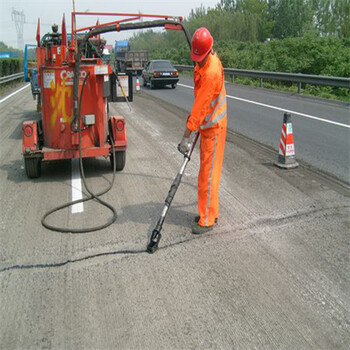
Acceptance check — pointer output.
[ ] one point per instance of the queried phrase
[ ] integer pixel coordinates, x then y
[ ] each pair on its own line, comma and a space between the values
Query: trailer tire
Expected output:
33, 167
144, 83
120, 159
151, 84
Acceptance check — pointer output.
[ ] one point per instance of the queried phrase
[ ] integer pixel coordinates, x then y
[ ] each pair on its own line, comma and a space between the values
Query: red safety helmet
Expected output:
202, 43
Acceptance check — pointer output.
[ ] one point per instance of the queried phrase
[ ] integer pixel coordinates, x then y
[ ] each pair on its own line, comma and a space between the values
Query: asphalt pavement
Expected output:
274, 274
321, 127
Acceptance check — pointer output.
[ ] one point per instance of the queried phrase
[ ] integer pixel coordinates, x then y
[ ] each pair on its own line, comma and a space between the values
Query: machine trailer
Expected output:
61, 133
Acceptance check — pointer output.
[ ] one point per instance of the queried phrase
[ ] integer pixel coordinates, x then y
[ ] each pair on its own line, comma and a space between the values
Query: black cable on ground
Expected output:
92, 195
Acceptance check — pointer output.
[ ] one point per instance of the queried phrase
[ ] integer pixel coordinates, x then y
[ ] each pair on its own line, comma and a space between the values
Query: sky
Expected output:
52, 11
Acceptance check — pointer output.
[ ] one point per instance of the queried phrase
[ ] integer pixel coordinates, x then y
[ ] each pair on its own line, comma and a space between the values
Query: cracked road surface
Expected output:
273, 275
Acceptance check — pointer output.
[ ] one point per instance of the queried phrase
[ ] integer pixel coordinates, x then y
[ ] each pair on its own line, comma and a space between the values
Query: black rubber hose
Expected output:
92, 195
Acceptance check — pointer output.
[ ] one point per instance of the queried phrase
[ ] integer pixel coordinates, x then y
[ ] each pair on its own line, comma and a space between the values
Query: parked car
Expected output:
160, 73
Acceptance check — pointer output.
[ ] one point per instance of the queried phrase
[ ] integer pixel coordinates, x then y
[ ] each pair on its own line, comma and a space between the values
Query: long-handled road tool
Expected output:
155, 237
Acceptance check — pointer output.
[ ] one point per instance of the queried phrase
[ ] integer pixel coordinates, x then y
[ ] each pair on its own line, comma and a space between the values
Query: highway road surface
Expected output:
274, 274
321, 128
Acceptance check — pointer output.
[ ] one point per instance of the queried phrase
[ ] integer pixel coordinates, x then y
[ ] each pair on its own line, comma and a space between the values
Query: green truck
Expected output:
129, 61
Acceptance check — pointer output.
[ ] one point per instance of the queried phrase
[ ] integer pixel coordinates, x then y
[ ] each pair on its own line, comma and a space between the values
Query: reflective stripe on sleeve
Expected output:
214, 121
214, 102
215, 110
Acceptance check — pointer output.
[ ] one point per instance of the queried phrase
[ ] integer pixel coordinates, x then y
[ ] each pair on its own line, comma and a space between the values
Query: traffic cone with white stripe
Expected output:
138, 84
286, 157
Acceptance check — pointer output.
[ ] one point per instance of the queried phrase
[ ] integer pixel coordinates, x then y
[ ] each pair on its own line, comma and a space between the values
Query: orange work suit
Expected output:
209, 117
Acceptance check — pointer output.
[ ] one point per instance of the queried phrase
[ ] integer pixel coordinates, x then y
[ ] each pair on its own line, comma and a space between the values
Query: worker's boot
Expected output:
196, 219
198, 229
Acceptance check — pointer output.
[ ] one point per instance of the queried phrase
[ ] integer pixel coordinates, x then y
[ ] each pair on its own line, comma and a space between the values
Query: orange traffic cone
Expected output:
286, 157
137, 84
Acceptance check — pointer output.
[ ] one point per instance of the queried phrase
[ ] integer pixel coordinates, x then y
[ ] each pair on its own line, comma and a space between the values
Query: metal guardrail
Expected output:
11, 77
288, 77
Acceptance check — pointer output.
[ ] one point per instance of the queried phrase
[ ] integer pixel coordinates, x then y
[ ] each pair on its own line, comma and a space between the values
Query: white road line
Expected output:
76, 180
280, 109
76, 187
14, 93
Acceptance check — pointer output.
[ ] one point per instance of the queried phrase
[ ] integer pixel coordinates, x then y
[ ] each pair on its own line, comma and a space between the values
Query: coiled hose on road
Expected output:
92, 195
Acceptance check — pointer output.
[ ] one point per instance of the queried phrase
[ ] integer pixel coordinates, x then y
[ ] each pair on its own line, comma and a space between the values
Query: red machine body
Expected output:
55, 136
57, 133
57, 111
30, 137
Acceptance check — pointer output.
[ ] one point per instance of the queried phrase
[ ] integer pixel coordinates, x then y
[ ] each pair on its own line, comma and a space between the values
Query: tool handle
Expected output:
155, 237
193, 145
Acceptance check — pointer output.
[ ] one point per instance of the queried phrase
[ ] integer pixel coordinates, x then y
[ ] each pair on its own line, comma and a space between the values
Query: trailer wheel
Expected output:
144, 83
33, 167
173, 86
151, 84
120, 158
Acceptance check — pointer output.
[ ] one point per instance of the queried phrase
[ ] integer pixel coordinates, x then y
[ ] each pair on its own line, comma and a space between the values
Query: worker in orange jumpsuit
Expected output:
209, 117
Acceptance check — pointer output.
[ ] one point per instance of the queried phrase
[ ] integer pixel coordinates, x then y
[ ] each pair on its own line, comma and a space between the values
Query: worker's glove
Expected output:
184, 146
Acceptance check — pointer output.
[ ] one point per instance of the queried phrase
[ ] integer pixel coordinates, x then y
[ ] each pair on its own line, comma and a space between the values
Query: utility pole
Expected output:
19, 18
141, 20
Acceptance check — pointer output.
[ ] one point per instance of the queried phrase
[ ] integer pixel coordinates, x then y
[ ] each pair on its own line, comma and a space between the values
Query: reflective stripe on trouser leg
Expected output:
209, 182
212, 152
